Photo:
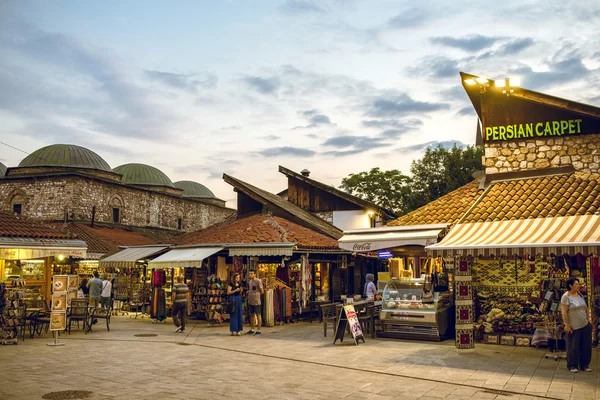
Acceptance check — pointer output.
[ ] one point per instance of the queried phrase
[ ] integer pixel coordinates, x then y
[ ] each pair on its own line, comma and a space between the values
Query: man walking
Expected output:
106, 292
255, 289
180, 304
95, 286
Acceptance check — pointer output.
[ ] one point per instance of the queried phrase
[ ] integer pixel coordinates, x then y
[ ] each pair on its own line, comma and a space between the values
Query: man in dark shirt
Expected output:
180, 304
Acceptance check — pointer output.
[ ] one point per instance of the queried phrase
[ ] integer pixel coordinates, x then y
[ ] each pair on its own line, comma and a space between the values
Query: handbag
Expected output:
230, 307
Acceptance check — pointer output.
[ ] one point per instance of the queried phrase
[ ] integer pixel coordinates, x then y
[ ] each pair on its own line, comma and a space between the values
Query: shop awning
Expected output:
262, 249
127, 258
363, 240
18, 248
178, 258
557, 235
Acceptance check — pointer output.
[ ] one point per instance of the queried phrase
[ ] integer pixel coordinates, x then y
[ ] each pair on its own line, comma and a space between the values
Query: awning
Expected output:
178, 258
17, 248
557, 235
262, 249
127, 257
363, 240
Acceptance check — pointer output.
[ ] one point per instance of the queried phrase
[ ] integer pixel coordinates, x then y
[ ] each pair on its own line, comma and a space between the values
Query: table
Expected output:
318, 304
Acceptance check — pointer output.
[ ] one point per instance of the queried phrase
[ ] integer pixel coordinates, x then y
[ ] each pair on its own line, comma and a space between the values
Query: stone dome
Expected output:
142, 174
194, 189
65, 155
2, 170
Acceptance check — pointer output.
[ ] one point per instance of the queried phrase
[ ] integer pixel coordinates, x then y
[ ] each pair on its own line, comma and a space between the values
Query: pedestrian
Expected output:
180, 303
577, 327
234, 290
95, 287
370, 288
84, 286
255, 289
106, 292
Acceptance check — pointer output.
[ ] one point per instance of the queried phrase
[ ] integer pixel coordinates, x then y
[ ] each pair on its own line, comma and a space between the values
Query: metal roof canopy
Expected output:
128, 257
389, 237
262, 249
183, 258
17, 248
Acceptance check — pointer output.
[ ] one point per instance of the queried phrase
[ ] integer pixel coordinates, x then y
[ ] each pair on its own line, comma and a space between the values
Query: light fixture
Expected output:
370, 213
507, 85
61, 257
481, 81
470, 81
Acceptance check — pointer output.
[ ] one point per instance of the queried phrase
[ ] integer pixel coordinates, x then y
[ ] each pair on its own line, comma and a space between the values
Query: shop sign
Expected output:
384, 254
530, 130
348, 319
365, 246
22, 254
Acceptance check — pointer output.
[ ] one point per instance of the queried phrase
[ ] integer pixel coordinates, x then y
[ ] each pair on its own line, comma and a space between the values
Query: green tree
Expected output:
388, 189
438, 172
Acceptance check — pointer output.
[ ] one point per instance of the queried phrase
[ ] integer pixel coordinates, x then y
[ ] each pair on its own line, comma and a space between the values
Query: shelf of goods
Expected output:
405, 314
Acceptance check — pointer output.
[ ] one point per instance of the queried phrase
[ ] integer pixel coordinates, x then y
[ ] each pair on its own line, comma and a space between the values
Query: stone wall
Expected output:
49, 198
582, 152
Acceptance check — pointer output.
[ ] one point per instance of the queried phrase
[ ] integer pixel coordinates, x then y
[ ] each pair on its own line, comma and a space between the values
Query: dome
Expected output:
2, 170
194, 189
65, 155
142, 174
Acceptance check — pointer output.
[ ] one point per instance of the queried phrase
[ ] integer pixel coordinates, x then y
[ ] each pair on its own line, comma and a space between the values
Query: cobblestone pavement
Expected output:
290, 361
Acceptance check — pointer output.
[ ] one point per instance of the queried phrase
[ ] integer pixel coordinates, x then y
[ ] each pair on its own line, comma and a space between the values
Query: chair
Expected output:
367, 317
102, 313
79, 311
26, 321
329, 314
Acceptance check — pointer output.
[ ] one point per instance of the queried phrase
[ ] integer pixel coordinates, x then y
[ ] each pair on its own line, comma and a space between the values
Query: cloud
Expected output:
408, 19
314, 118
271, 137
182, 81
287, 151
471, 43
231, 128
263, 85
401, 106
381, 123
213, 168
312, 135
345, 153
468, 111
508, 49
355, 141
561, 70
301, 7
436, 66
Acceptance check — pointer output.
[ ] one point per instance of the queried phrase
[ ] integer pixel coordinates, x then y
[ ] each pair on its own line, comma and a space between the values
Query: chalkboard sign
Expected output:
348, 320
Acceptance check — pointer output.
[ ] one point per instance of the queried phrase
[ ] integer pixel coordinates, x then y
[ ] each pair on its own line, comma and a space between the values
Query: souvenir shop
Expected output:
131, 277
508, 292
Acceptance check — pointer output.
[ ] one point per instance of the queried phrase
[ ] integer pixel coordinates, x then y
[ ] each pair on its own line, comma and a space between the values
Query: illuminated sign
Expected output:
384, 254
534, 130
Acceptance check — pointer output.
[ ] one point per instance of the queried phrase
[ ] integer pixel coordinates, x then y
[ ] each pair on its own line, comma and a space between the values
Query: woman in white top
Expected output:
370, 288
578, 328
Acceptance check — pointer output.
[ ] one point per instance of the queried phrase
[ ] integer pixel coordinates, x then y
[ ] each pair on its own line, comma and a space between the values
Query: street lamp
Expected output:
507, 85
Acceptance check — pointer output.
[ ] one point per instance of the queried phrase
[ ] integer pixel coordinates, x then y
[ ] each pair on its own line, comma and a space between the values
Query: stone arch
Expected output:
117, 206
17, 201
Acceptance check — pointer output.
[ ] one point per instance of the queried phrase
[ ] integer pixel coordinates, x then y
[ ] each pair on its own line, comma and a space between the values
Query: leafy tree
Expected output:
438, 172
388, 189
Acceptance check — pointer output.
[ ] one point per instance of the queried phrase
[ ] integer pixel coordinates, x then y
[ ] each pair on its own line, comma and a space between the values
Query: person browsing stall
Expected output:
95, 286
255, 289
180, 304
577, 327
106, 292
234, 290
370, 288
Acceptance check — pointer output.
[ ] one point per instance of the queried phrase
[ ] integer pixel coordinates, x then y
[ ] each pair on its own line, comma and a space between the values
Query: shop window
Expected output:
17, 208
179, 224
116, 215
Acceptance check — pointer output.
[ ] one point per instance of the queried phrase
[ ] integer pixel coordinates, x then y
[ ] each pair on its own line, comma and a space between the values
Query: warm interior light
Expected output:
61, 257
470, 81
481, 80
500, 83
370, 213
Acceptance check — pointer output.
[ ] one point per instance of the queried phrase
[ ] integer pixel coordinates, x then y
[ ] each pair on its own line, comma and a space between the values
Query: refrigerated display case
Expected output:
404, 313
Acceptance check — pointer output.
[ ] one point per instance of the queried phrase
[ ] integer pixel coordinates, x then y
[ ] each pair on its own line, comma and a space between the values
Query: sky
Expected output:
202, 88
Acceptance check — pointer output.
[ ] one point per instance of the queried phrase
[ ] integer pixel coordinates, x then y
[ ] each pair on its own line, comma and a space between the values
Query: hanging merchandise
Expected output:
306, 282
159, 278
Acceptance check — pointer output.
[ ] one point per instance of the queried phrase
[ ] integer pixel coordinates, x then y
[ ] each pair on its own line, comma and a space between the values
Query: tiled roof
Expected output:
259, 229
448, 209
17, 226
539, 197
105, 239
294, 211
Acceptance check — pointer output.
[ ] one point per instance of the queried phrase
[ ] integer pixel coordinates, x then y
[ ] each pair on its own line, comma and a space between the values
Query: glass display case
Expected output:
405, 313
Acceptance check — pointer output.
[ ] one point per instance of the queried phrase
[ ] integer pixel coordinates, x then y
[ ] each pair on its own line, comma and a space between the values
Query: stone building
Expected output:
71, 183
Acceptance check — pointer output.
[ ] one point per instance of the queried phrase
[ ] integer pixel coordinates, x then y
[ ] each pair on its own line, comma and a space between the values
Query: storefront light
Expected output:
470, 81
60, 257
481, 81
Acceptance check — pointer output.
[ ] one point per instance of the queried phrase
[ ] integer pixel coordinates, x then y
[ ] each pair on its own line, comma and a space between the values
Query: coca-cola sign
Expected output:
362, 246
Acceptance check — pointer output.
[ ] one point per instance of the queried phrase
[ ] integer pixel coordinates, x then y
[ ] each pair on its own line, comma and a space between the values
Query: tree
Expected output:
438, 172
388, 189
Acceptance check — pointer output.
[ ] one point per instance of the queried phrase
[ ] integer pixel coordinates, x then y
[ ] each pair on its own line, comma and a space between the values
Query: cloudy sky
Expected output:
198, 88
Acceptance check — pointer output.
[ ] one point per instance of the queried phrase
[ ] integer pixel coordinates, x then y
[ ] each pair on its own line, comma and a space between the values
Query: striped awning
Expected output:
556, 235
184, 258
127, 258
263, 249
17, 248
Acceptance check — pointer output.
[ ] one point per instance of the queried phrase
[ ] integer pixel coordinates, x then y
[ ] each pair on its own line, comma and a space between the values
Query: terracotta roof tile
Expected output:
448, 209
549, 196
259, 229
105, 239
17, 226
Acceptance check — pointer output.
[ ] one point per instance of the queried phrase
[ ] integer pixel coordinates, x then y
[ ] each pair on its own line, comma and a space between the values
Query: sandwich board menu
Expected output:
348, 320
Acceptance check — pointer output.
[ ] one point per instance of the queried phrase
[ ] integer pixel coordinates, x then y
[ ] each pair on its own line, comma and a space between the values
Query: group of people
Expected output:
99, 291
235, 291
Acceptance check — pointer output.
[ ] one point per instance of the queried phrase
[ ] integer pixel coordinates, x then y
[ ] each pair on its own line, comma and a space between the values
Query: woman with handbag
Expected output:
234, 290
